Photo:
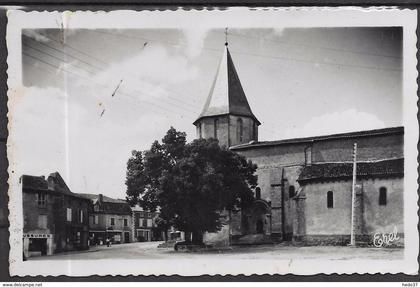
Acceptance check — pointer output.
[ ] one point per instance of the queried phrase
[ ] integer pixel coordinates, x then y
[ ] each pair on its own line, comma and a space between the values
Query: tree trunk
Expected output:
187, 236
197, 238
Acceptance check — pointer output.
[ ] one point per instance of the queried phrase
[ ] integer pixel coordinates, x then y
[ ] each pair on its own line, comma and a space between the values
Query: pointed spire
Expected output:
226, 94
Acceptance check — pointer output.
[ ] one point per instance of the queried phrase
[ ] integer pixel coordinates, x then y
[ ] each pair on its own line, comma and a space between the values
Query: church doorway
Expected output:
256, 219
260, 227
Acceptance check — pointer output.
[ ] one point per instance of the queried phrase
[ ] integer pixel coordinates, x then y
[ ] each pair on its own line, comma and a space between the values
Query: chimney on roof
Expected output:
52, 182
100, 198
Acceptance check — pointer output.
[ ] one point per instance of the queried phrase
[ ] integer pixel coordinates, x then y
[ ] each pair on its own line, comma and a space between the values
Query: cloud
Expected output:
337, 122
37, 135
195, 40
146, 74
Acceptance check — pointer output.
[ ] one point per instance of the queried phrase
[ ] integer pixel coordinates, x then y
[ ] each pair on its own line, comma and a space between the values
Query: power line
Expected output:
258, 55
131, 37
316, 47
90, 80
266, 128
319, 63
78, 50
53, 56
107, 64
60, 51
100, 69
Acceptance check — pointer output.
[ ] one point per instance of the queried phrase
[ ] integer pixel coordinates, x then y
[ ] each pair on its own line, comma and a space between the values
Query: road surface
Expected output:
149, 250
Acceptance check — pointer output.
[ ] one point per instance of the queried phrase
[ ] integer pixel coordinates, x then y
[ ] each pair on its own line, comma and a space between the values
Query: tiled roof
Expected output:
358, 134
57, 183
116, 208
34, 182
109, 205
226, 94
105, 198
340, 170
54, 184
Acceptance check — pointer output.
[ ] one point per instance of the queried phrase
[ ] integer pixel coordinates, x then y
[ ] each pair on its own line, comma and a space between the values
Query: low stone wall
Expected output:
220, 238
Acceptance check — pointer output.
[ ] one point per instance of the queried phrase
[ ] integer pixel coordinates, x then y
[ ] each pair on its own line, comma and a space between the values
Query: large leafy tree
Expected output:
191, 183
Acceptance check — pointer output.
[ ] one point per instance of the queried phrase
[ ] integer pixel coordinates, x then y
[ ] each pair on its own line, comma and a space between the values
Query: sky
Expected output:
93, 96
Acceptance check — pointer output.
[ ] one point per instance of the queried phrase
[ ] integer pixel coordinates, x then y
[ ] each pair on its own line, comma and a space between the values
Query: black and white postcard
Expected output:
193, 142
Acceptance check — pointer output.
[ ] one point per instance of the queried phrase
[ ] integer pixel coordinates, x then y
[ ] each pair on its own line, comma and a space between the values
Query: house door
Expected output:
38, 246
126, 237
260, 226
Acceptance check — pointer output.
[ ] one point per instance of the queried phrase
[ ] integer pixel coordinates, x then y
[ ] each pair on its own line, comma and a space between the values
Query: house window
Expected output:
330, 199
125, 222
96, 219
291, 191
216, 127
141, 214
69, 214
41, 198
144, 222
81, 215
149, 215
382, 196
42, 221
240, 129
258, 193
112, 221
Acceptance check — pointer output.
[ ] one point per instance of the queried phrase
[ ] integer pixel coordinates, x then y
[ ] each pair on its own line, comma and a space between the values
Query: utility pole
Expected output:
353, 196
283, 180
283, 228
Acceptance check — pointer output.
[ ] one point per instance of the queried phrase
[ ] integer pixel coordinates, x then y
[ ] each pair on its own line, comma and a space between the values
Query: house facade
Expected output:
144, 225
305, 184
54, 218
110, 218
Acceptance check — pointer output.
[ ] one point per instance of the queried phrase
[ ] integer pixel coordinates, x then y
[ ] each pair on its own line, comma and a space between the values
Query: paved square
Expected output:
149, 250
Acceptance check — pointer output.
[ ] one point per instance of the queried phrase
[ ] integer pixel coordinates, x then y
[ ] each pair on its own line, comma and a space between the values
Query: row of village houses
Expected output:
56, 219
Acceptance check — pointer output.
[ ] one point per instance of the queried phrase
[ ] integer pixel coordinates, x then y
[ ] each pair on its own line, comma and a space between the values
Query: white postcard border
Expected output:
235, 18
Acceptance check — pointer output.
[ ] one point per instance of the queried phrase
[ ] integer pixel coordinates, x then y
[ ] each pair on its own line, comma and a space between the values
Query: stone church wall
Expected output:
247, 133
207, 129
311, 205
271, 161
383, 218
325, 225
368, 148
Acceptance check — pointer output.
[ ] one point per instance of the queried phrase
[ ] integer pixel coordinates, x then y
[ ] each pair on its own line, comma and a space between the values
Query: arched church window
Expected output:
330, 199
240, 129
200, 132
382, 196
291, 191
258, 193
216, 127
254, 131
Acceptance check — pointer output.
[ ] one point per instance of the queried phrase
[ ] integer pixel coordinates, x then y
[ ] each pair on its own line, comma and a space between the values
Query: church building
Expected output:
306, 192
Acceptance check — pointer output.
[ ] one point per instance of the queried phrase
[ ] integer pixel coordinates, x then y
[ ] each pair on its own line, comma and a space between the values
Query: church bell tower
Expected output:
227, 115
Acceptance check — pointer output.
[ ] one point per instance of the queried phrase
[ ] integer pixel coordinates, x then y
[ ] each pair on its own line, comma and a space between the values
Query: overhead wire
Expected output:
90, 80
315, 46
218, 50
184, 104
262, 55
